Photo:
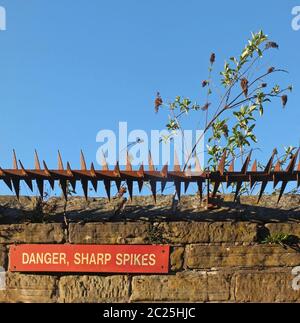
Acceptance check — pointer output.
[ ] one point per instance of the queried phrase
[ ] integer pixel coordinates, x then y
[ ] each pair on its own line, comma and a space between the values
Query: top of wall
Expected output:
32, 209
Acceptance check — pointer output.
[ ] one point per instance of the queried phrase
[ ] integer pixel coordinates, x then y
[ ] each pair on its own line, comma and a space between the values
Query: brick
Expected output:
32, 233
93, 289
209, 256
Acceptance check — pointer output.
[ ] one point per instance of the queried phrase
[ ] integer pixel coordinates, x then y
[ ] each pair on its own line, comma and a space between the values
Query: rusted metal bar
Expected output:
67, 177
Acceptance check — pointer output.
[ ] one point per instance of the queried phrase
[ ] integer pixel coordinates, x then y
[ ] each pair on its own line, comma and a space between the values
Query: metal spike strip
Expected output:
65, 176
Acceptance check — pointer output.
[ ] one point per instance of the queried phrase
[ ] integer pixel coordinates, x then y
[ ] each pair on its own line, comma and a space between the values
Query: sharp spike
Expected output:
85, 184
93, 171
277, 167
94, 181
128, 163
104, 162
200, 189
221, 167
164, 171
15, 163
246, 164
238, 188
70, 173
153, 189
283, 187
130, 188
268, 168
117, 170
186, 186
198, 168
16, 185
150, 162
40, 186
141, 174
23, 169
216, 188
231, 167
6, 180
254, 170
141, 171
63, 186
292, 163
82, 161
37, 164
176, 163
254, 166
263, 187
118, 184
27, 180
178, 189
107, 188
163, 186
140, 185
51, 181
60, 162
69, 169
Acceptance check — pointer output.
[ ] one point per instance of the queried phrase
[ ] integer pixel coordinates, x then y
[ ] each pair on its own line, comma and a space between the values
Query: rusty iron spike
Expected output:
27, 180
289, 170
104, 163
277, 169
37, 164
130, 188
107, 188
176, 163
150, 162
51, 180
12, 177
40, 186
72, 181
15, 163
82, 161
128, 163
141, 173
268, 170
60, 162
94, 180
153, 189
6, 180
221, 167
253, 170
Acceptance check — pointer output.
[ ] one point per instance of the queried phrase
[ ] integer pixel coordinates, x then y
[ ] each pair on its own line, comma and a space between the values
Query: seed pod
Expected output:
244, 86
158, 102
284, 100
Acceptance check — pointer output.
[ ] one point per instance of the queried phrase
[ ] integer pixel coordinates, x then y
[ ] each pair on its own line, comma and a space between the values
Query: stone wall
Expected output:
216, 255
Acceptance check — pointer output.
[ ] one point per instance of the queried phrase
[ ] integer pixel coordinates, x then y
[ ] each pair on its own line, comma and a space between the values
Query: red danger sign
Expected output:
89, 258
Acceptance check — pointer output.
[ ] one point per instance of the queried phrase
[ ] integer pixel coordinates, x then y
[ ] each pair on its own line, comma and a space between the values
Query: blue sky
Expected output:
71, 68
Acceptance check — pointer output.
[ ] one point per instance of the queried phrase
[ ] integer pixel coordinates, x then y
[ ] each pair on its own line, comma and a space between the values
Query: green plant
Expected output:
230, 118
277, 238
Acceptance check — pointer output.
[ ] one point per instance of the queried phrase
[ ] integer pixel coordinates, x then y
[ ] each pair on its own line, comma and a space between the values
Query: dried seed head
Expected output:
204, 83
244, 86
212, 58
264, 85
206, 106
272, 44
271, 70
158, 102
284, 100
